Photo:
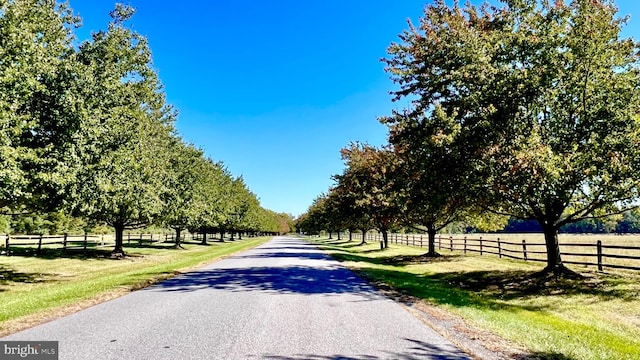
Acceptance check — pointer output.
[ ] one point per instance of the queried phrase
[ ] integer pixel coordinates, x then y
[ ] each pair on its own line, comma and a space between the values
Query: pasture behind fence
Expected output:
83, 242
86, 242
587, 251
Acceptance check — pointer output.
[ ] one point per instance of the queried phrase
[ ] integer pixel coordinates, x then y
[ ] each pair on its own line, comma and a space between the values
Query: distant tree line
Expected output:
528, 111
87, 138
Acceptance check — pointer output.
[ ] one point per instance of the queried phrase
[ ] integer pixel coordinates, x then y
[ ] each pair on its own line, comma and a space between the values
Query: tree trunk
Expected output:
232, 234
330, 235
364, 239
222, 235
554, 260
338, 235
239, 235
178, 237
350, 235
431, 232
204, 238
118, 250
385, 239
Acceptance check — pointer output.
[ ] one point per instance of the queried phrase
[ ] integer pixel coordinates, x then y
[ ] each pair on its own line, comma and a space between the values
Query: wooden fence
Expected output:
80, 242
585, 253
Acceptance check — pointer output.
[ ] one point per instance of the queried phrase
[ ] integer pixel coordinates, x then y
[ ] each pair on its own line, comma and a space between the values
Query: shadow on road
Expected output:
294, 255
289, 247
419, 350
288, 280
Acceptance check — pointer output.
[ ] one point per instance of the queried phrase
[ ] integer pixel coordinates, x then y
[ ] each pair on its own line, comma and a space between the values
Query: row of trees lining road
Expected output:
85, 130
528, 110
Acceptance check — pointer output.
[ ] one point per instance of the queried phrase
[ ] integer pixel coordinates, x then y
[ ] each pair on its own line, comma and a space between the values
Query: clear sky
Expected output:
276, 88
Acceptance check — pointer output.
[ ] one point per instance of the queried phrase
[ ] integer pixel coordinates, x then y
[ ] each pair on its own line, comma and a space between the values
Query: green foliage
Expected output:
126, 133
38, 116
86, 129
540, 100
370, 179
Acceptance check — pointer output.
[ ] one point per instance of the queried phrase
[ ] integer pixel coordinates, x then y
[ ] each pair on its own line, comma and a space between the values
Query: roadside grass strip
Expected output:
594, 316
34, 289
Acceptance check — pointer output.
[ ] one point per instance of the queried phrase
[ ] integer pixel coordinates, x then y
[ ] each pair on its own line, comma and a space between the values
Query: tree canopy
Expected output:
529, 109
86, 133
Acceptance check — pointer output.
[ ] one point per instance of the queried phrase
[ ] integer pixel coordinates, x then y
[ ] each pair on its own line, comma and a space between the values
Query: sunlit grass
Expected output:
596, 317
32, 288
577, 248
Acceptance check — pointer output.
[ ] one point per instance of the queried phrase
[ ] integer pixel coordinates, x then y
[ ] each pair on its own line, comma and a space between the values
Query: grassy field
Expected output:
580, 248
39, 288
593, 317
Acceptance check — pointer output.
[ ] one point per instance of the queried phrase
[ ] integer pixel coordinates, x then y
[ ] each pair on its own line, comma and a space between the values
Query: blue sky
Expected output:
275, 89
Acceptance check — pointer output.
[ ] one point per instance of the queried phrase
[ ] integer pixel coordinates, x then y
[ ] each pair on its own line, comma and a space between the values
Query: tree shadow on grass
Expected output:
519, 284
542, 356
399, 260
488, 286
157, 246
51, 254
9, 276
488, 289
91, 253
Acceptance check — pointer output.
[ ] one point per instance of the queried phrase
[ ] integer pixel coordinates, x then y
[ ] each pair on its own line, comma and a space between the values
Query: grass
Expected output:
596, 316
574, 247
34, 289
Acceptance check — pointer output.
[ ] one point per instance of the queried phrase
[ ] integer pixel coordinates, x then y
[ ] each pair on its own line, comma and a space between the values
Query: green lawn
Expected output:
594, 317
33, 289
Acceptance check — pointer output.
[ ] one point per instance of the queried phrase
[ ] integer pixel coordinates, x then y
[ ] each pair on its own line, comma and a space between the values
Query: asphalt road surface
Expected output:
284, 300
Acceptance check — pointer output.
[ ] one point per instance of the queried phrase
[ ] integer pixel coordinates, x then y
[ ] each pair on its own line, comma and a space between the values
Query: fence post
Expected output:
102, 240
85, 242
499, 249
129, 237
439, 242
140, 240
420, 240
524, 249
465, 244
40, 243
64, 242
414, 239
480, 245
450, 243
166, 237
6, 244
599, 255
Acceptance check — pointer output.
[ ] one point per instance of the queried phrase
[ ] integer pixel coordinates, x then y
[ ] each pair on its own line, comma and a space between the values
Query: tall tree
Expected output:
39, 116
189, 182
543, 99
370, 176
217, 194
126, 131
430, 172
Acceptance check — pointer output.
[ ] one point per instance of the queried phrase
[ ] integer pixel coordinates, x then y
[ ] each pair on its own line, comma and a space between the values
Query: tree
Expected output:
543, 100
126, 131
371, 179
430, 172
191, 180
38, 113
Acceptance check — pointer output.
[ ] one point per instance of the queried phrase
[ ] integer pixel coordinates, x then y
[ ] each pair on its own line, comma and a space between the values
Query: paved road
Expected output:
284, 300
